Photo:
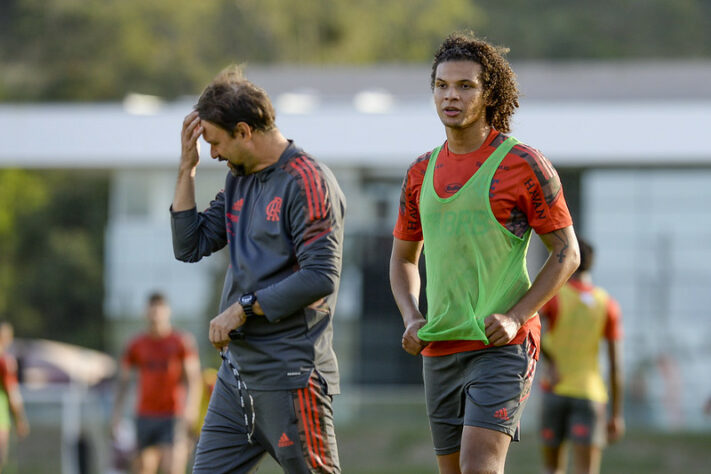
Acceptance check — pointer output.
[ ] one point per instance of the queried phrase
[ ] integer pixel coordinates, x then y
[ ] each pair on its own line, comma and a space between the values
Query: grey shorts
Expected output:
579, 420
487, 388
155, 431
295, 427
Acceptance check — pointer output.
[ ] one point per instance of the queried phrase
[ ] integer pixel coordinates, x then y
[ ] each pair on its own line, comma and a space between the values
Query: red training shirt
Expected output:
159, 361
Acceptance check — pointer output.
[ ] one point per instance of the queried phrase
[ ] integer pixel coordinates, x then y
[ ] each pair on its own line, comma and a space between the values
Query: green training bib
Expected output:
475, 266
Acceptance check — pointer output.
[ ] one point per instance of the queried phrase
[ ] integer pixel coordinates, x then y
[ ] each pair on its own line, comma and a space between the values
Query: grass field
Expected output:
387, 451
394, 439
387, 433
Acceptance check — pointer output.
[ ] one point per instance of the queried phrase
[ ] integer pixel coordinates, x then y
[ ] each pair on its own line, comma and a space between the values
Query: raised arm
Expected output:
563, 260
184, 197
195, 235
405, 284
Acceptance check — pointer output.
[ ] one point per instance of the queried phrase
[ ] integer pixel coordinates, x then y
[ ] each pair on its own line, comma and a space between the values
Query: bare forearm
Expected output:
119, 402
562, 262
616, 383
192, 401
193, 397
184, 197
616, 392
17, 408
405, 285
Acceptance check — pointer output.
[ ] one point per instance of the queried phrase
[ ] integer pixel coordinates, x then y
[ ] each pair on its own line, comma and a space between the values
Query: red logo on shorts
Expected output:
580, 430
273, 209
501, 414
284, 441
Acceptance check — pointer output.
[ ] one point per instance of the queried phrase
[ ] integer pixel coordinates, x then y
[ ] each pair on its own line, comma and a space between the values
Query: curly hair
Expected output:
230, 99
498, 79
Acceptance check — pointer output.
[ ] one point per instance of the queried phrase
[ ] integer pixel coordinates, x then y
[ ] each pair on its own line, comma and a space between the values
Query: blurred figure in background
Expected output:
164, 359
209, 378
575, 397
11, 406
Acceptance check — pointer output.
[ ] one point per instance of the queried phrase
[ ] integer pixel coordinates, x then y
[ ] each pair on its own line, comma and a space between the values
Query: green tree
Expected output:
52, 226
102, 49
606, 29
21, 195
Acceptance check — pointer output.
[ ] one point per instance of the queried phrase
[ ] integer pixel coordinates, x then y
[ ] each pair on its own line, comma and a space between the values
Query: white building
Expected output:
625, 137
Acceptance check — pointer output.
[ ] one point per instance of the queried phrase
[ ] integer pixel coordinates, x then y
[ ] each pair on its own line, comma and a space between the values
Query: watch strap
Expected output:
247, 301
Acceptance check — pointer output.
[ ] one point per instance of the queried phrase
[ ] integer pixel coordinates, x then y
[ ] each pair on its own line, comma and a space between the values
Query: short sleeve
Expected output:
130, 355
541, 196
613, 325
408, 225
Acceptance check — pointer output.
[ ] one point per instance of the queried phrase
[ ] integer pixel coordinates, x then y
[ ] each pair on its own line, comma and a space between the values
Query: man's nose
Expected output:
451, 93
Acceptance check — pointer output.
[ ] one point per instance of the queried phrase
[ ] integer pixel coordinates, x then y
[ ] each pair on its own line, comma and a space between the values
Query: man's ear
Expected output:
243, 131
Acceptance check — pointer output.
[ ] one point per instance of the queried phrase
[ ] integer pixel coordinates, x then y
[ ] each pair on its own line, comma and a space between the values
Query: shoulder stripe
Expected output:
313, 187
317, 189
307, 187
536, 160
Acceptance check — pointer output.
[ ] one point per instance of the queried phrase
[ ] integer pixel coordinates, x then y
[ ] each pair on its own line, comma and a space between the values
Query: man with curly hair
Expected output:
471, 203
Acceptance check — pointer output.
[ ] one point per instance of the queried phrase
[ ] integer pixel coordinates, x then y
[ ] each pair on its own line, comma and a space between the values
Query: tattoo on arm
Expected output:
563, 238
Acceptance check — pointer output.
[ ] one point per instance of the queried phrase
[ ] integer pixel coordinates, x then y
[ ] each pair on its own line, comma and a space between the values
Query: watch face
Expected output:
247, 299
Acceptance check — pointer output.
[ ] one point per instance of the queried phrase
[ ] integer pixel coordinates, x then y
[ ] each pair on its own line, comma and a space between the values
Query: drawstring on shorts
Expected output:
240, 383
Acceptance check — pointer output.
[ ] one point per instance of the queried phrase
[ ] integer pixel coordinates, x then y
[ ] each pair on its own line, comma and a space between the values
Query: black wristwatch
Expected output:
247, 300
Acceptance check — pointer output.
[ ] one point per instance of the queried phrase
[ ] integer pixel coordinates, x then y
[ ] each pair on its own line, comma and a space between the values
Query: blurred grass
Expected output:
386, 432
390, 449
390, 435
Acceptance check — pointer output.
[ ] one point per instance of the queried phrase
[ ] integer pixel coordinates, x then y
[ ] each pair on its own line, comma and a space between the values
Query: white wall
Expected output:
139, 252
652, 234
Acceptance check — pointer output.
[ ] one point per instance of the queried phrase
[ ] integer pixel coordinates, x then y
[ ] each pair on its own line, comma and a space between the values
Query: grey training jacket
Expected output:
284, 229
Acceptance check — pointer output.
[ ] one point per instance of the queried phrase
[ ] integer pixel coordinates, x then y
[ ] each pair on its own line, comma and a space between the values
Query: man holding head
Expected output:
281, 216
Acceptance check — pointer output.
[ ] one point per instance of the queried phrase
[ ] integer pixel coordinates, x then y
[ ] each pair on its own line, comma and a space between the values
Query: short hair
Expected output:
157, 298
587, 255
230, 99
497, 77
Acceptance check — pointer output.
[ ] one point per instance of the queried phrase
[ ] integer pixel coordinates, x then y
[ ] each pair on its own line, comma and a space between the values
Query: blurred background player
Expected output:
164, 358
575, 397
11, 406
